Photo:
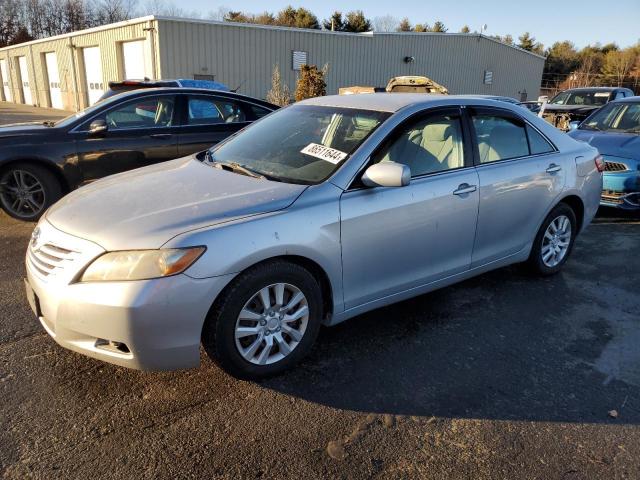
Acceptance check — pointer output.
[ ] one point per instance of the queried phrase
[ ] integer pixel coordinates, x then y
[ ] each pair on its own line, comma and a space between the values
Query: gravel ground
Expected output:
502, 376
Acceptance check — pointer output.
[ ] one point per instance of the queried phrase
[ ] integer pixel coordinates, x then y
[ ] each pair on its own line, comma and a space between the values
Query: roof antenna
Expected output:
235, 90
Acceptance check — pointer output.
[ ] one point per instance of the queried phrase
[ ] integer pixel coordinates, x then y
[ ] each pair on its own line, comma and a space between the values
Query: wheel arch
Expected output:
577, 205
307, 263
48, 165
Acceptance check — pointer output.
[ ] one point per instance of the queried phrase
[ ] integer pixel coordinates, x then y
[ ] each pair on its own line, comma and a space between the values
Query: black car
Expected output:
576, 104
41, 162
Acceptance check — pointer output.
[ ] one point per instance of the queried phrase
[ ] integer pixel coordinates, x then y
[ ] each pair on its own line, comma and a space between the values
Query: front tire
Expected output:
27, 190
554, 242
265, 321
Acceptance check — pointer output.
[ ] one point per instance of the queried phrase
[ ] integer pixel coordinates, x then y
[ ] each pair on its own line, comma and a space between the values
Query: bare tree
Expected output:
385, 23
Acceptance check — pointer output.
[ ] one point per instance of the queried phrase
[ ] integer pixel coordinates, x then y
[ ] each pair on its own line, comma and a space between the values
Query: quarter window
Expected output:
211, 110
427, 146
500, 138
537, 143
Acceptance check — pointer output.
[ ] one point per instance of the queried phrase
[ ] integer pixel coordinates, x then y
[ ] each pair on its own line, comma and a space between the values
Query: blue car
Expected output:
615, 131
127, 85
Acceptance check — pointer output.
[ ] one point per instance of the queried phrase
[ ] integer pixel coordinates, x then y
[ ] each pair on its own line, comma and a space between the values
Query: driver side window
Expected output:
429, 145
145, 112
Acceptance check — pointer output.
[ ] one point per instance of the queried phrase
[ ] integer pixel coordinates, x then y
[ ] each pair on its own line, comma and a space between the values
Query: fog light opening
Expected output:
112, 346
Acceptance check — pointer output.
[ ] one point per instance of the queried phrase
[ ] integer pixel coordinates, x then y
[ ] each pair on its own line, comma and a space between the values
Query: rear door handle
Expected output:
553, 168
464, 188
160, 135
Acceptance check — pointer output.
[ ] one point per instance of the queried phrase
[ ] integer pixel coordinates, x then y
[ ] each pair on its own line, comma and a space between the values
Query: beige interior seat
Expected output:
429, 150
504, 141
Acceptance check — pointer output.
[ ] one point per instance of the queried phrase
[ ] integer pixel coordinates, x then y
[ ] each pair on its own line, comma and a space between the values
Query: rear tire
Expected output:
252, 341
27, 190
554, 241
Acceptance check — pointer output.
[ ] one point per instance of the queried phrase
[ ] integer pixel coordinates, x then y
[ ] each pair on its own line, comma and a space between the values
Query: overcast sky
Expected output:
583, 22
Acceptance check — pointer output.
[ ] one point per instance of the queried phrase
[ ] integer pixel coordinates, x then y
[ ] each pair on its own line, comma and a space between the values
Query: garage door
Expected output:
93, 73
4, 73
135, 64
24, 78
54, 80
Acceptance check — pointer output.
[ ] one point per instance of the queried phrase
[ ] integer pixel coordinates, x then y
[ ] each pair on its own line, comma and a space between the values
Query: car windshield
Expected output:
620, 117
299, 144
586, 98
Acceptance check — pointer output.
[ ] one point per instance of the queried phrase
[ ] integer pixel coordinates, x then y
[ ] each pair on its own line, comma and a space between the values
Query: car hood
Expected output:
15, 129
570, 108
624, 145
145, 208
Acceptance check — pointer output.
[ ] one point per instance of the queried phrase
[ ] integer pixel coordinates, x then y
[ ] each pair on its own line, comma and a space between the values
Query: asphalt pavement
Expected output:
504, 376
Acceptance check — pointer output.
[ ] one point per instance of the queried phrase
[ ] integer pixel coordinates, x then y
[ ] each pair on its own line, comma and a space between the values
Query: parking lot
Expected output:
503, 376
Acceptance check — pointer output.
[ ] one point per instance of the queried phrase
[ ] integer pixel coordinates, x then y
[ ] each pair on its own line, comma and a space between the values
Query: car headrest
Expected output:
436, 132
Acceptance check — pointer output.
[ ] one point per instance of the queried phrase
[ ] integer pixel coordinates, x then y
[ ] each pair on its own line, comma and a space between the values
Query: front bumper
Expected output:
147, 325
623, 200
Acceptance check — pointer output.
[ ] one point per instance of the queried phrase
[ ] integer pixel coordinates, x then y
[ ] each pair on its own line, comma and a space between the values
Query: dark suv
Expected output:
40, 162
576, 104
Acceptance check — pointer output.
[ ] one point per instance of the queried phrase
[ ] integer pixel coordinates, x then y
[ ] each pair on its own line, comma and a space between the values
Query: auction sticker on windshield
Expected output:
324, 153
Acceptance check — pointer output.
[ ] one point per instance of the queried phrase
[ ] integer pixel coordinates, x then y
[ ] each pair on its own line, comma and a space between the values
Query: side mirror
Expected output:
98, 126
574, 125
387, 174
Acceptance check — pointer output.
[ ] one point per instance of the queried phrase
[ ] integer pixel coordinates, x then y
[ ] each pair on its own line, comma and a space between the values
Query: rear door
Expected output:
208, 119
398, 238
140, 132
521, 174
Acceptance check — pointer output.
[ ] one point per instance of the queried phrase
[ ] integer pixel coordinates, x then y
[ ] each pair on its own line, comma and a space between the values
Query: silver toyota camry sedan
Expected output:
314, 214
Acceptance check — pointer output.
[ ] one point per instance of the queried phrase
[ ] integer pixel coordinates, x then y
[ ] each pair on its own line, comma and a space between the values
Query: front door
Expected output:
396, 239
139, 132
521, 175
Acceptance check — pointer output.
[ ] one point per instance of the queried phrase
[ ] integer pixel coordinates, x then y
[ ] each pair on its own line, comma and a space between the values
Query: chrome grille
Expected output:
612, 196
614, 167
49, 259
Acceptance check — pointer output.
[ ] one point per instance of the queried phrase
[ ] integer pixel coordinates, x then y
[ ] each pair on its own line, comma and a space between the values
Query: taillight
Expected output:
599, 163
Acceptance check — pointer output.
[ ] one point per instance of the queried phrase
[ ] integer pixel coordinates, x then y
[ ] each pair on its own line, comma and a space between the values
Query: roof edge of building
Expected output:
124, 23
147, 18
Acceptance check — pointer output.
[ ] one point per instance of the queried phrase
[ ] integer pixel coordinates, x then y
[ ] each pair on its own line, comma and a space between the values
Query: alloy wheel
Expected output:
271, 324
22, 193
556, 241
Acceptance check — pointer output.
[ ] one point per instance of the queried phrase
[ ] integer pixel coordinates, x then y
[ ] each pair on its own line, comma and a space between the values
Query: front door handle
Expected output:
160, 135
464, 188
553, 168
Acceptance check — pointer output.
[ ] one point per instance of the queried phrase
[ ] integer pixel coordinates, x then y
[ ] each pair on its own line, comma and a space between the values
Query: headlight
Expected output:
141, 264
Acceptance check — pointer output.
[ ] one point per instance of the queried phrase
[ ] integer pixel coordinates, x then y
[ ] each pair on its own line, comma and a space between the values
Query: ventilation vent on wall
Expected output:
488, 77
299, 59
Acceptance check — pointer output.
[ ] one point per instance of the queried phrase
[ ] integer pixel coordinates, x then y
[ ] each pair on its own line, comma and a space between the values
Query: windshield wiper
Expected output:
234, 167
590, 127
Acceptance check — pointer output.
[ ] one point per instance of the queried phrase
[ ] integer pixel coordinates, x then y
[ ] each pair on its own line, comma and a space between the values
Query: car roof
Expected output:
393, 102
635, 99
594, 89
155, 90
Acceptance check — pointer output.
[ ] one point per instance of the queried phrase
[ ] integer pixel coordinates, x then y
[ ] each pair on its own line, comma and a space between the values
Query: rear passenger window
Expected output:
500, 138
211, 110
259, 112
537, 143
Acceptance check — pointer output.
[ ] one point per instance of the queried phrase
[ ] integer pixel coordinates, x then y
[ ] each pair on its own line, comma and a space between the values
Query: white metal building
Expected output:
71, 71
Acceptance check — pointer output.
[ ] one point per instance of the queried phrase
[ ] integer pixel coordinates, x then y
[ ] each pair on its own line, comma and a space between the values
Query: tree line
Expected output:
565, 67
